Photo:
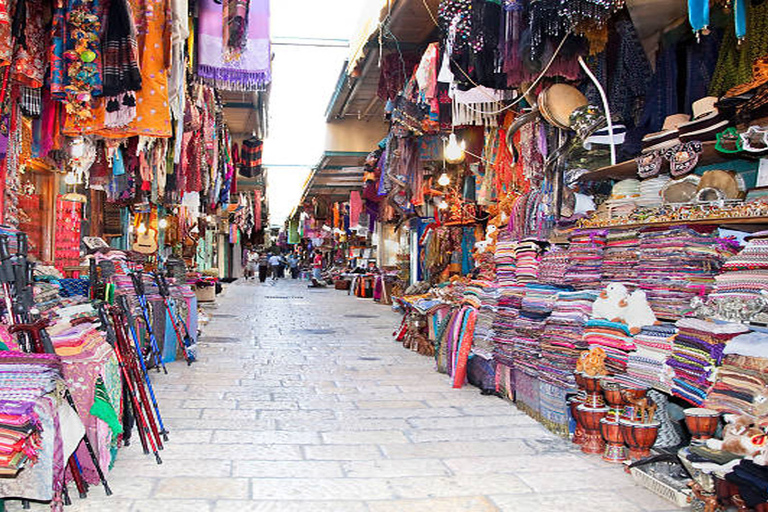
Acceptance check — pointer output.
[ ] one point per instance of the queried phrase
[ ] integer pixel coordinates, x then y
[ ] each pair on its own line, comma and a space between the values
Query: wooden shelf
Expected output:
749, 224
628, 169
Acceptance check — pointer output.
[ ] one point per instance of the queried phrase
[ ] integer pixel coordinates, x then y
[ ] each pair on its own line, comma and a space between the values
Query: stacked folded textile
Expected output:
504, 329
562, 340
678, 264
620, 256
743, 377
24, 381
535, 307
527, 261
745, 275
488, 297
615, 339
585, 259
752, 481
648, 364
505, 262
553, 266
486, 266
698, 349
650, 191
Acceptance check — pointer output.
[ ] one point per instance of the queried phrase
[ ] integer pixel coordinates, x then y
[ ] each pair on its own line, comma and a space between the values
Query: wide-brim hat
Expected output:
729, 184
558, 102
681, 191
706, 123
668, 136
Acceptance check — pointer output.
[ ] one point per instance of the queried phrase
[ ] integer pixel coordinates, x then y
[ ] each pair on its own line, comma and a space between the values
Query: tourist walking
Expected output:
274, 262
263, 266
293, 264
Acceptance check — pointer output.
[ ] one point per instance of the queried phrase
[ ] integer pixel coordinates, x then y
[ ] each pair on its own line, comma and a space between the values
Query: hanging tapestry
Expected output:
248, 68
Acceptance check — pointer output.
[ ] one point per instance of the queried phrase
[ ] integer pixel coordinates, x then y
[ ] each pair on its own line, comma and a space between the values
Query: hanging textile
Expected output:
121, 65
250, 158
355, 207
245, 70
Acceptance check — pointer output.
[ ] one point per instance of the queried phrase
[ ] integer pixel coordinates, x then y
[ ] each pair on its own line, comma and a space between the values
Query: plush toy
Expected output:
607, 305
741, 437
635, 311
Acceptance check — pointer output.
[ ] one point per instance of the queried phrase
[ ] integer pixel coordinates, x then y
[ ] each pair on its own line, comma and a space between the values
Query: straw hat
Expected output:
726, 184
558, 101
681, 191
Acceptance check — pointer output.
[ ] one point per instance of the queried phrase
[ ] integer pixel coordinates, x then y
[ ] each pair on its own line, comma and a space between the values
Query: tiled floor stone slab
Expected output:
304, 403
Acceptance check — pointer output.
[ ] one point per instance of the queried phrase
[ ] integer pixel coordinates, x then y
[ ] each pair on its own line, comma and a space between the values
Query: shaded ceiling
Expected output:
336, 175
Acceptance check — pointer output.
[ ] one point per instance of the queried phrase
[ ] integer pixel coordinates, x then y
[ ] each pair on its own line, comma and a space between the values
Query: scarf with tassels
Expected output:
121, 75
235, 26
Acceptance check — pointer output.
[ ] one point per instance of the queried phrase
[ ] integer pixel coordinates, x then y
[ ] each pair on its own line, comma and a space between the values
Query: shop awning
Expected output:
336, 175
408, 26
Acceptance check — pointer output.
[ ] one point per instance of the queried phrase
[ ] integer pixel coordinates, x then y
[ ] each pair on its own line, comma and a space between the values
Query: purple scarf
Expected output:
247, 70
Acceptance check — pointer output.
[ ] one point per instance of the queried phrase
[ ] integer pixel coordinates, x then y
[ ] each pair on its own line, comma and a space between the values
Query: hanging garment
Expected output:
250, 158
243, 70
121, 65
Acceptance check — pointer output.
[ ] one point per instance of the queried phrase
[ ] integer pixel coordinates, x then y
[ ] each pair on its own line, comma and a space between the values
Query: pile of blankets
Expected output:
585, 259
505, 262
553, 266
745, 275
647, 366
698, 349
620, 256
742, 379
678, 264
503, 327
527, 261
24, 381
562, 340
615, 339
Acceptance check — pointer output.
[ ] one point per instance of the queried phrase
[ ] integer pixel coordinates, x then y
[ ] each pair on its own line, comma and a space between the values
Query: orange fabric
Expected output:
153, 115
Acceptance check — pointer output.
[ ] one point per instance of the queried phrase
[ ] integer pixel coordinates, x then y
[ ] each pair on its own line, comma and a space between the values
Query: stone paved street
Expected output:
302, 401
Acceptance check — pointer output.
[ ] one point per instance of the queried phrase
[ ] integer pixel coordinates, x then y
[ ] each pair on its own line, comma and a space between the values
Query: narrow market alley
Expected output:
301, 400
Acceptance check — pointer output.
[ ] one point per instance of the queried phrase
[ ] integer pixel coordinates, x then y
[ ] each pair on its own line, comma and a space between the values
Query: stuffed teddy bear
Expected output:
635, 311
607, 305
741, 437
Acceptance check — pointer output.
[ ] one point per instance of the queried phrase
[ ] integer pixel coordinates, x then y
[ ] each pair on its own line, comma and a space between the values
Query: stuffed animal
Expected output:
635, 311
607, 305
740, 437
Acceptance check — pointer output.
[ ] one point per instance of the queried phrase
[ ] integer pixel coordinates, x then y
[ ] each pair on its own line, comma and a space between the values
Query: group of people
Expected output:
263, 263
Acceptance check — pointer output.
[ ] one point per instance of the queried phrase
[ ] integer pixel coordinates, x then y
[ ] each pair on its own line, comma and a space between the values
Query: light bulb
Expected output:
454, 152
70, 179
141, 229
163, 223
444, 180
208, 218
442, 205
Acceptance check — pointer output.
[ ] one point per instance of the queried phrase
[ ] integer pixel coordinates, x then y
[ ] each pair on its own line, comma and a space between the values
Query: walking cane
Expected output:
138, 286
122, 302
184, 340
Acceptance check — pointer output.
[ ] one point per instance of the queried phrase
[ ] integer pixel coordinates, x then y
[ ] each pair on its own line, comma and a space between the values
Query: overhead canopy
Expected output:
246, 113
407, 26
336, 175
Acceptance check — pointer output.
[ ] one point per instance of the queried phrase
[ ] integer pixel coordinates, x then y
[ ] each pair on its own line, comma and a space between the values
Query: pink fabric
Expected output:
355, 208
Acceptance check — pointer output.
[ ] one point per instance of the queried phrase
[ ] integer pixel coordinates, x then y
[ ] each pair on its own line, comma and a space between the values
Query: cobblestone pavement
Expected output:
302, 401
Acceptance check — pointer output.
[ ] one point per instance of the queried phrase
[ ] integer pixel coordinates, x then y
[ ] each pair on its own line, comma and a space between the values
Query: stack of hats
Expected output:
668, 136
650, 191
623, 198
742, 378
648, 364
25, 379
615, 339
527, 261
620, 255
505, 262
562, 340
585, 259
745, 275
698, 349
553, 266
678, 264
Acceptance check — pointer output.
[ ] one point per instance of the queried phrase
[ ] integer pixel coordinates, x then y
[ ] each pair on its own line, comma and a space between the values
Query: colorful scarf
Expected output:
235, 25
248, 67
121, 74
